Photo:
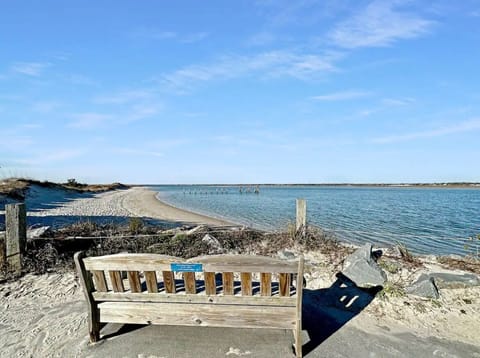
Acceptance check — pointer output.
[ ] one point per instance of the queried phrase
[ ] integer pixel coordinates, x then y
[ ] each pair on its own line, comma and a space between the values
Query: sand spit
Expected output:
59, 206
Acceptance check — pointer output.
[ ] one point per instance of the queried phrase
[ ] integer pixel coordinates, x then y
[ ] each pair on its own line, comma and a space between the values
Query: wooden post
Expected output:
2, 250
301, 214
15, 236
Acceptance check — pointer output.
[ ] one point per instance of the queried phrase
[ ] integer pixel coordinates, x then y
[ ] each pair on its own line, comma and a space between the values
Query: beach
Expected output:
46, 315
43, 204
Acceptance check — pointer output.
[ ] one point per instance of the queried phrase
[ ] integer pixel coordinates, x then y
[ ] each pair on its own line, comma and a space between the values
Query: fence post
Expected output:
301, 215
2, 250
15, 236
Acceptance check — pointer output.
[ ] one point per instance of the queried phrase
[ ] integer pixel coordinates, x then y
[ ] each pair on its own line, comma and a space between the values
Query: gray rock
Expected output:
213, 243
38, 232
362, 268
453, 280
424, 287
286, 255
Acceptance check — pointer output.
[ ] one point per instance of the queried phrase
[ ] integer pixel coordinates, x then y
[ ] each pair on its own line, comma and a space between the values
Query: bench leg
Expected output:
93, 325
297, 335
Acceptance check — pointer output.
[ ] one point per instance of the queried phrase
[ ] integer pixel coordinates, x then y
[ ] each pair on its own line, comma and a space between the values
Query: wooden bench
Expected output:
211, 291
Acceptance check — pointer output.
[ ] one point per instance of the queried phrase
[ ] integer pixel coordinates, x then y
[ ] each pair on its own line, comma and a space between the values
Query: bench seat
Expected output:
210, 291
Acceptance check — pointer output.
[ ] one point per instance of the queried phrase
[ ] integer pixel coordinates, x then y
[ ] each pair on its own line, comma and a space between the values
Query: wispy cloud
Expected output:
267, 64
51, 157
124, 97
161, 35
45, 106
137, 152
381, 23
261, 38
33, 69
81, 80
89, 120
13, 141
461, 127
342, 96
397, 101
142, 111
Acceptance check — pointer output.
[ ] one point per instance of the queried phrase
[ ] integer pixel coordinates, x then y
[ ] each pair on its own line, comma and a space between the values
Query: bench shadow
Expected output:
111, 330
327, 310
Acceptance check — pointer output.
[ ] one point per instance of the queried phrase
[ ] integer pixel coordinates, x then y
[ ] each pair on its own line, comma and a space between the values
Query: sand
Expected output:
50, 206
46, 315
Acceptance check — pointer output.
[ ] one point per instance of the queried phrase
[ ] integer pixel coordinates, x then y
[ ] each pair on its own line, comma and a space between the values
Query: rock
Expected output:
213, 243
286, 255
38, 232
195, 230
453, 280
424, 287
170, 231
361, 268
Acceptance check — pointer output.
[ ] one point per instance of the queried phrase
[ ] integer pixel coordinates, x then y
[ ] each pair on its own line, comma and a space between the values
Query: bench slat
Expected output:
246, 278
117, 283
206, 315
189, 280
266, 284
214, 263
151, 281
99, 280
228, 282
210, 283
284, 279
182, 298
134, 281
131, 262
168, 281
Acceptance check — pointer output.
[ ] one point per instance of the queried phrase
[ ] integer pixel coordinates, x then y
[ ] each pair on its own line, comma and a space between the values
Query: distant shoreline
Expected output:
366, 185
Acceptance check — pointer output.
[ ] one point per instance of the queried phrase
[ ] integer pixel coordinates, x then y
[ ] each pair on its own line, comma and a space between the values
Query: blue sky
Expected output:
240, 91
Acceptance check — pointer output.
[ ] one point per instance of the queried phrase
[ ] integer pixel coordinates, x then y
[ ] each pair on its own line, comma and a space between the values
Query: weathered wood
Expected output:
210, 283
284, 282
134, 281
244, 263
297, 332
169, 281
116, 279
205, 315
301, 221
227, 282
203, 307
88, 288
246, 278
198, 298
131, 262
15, 236
99, 280
266, 284
151, 281
189, 281
2, 251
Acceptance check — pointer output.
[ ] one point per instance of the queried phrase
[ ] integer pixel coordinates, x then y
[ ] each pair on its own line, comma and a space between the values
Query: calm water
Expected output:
428, 221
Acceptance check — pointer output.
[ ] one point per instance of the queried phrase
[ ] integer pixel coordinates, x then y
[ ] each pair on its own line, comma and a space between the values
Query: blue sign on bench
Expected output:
182, 267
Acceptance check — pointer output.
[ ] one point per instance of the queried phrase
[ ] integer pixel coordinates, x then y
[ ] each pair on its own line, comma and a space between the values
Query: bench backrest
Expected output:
152, 277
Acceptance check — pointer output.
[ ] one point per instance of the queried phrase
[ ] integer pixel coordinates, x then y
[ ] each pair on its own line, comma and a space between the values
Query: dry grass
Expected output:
466, 264
16, 188
56, 253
